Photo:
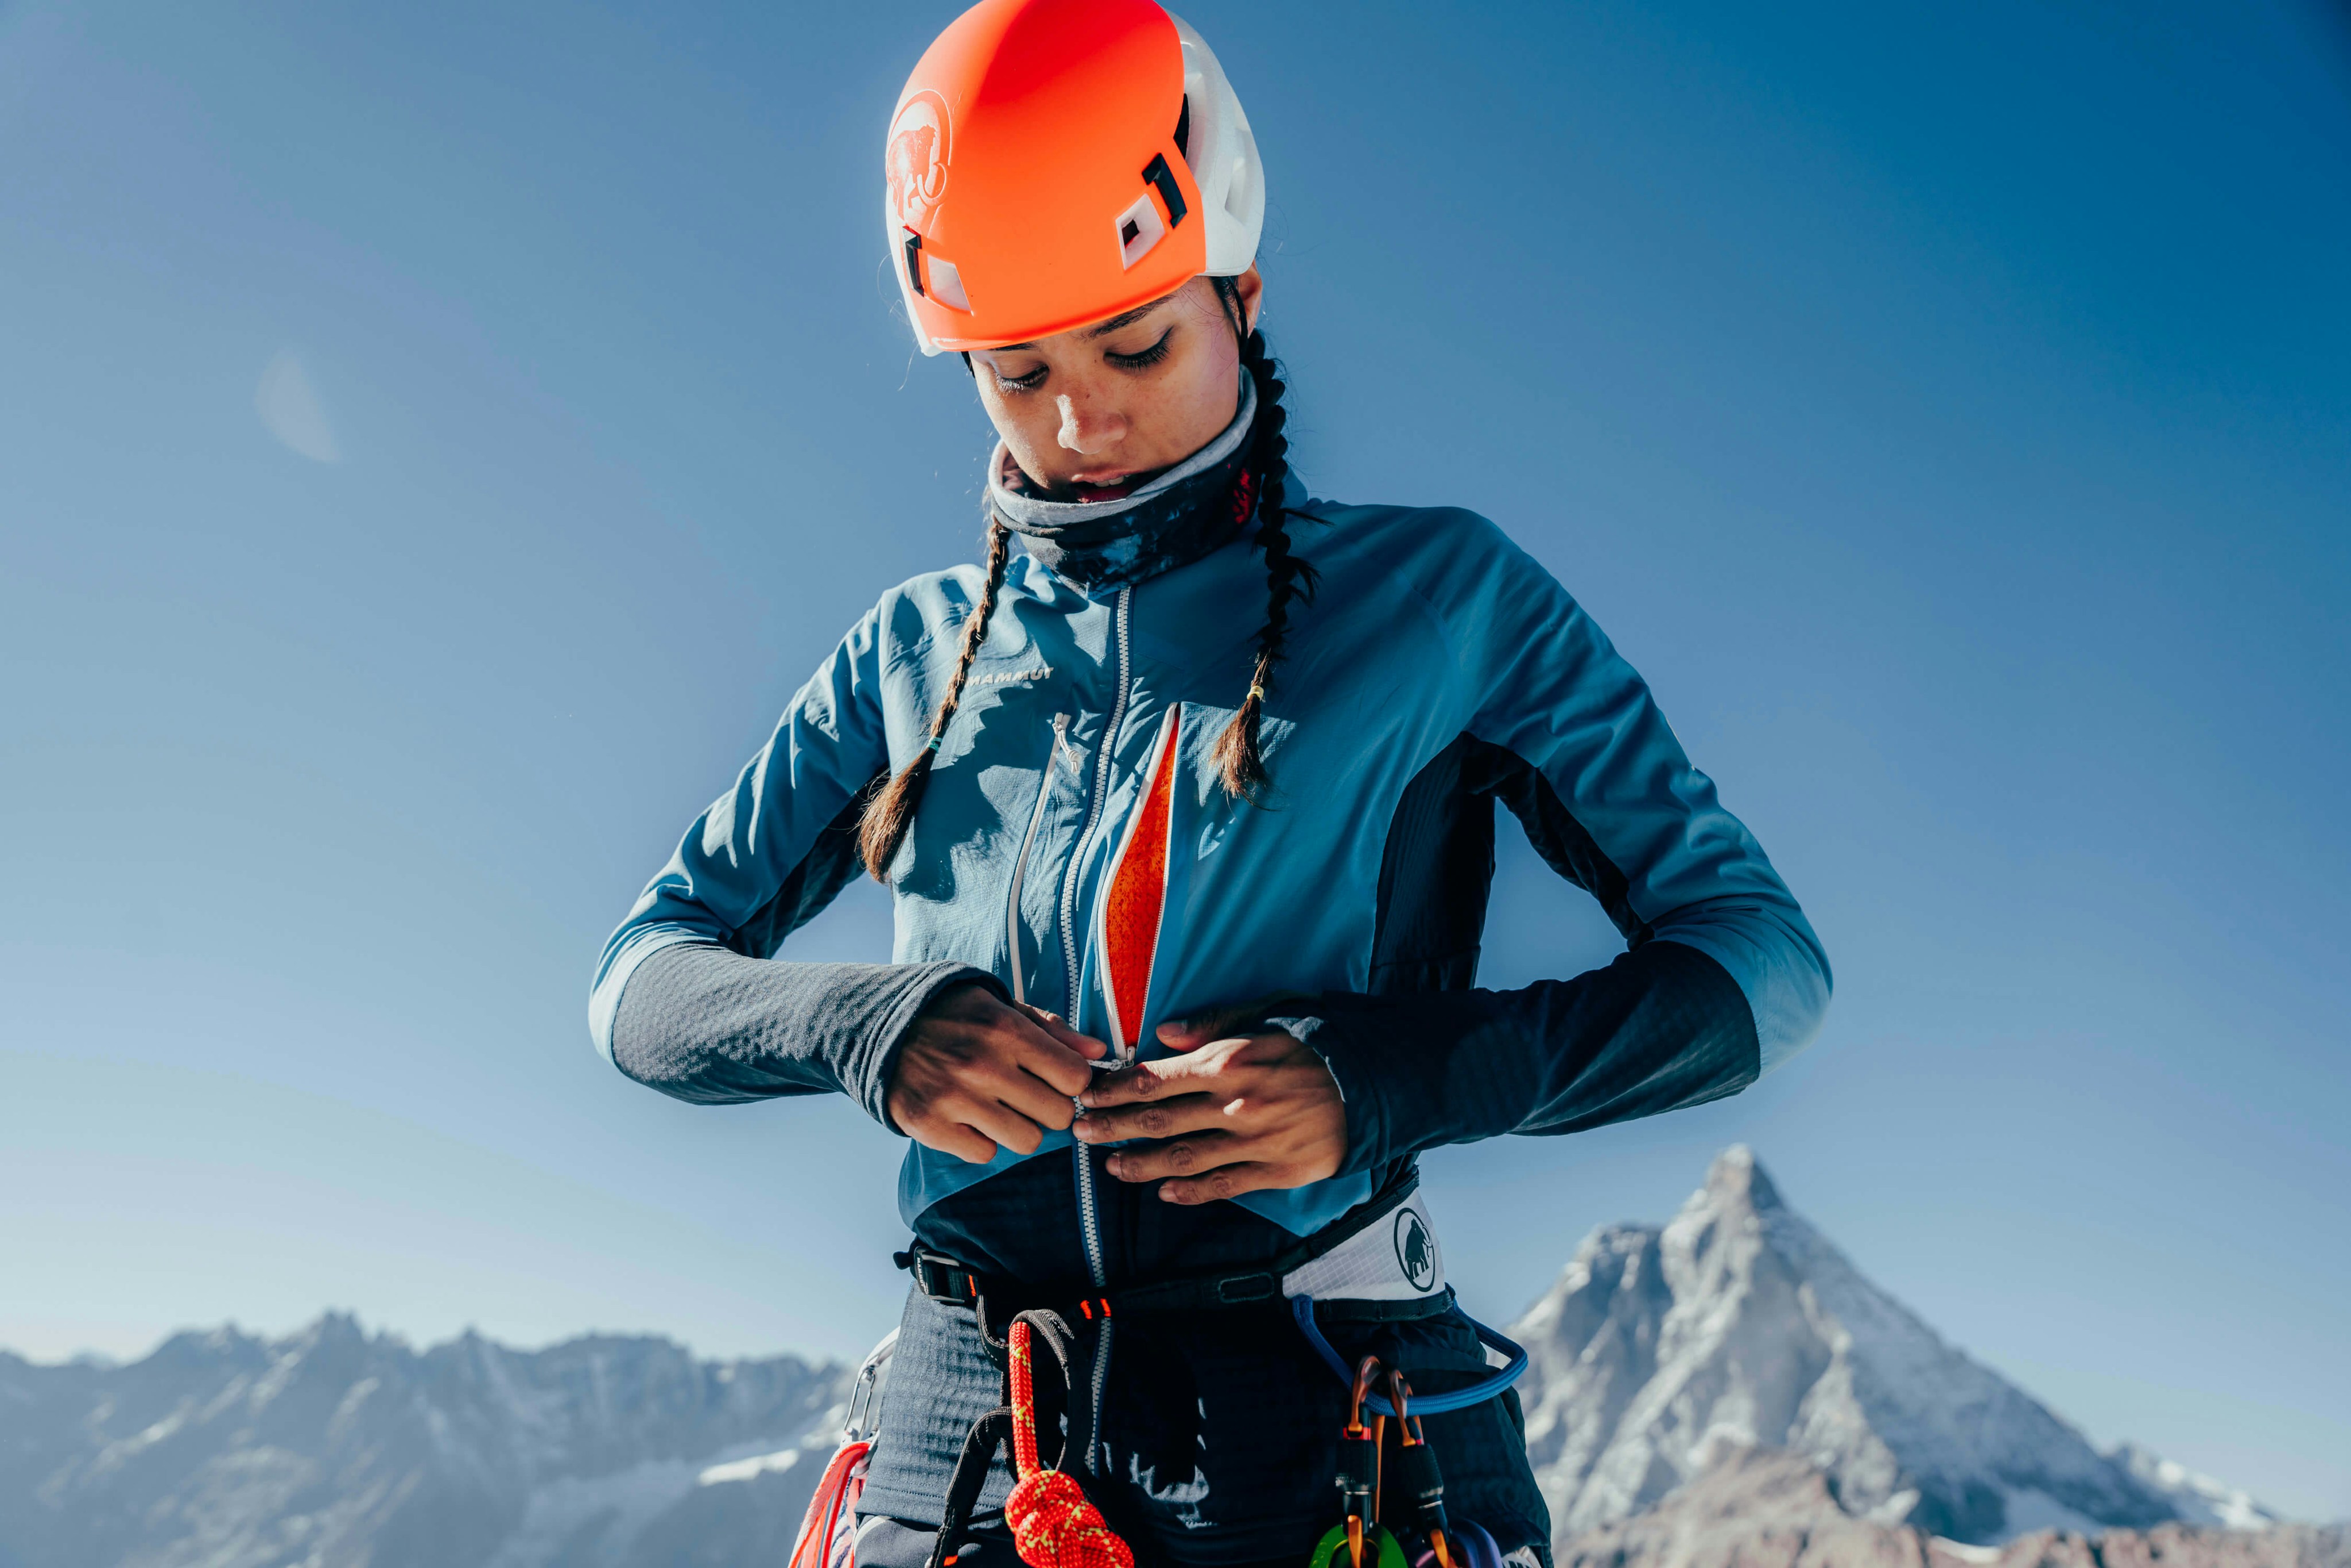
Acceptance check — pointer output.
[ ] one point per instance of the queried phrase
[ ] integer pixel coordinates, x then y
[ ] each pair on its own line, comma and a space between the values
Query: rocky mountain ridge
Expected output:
1663, 1351
1766, 1507
336, 1448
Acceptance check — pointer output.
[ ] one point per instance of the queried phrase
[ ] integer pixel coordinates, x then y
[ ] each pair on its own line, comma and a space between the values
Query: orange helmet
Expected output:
1052, 163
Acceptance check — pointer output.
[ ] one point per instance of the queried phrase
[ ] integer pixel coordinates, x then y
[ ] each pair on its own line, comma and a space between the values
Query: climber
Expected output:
1185, 800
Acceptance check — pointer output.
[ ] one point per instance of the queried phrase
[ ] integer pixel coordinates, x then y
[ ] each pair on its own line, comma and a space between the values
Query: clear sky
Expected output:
436, 440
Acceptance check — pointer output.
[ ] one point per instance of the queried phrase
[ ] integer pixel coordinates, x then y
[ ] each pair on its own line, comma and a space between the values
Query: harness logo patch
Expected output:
1416, 1249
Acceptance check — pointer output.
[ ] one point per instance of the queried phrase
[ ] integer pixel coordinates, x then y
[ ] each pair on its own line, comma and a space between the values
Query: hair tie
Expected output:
1258, 692
934, 745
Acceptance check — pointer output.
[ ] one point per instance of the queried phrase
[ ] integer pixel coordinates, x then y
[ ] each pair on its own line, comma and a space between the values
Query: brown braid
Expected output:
883, 826
1239, 756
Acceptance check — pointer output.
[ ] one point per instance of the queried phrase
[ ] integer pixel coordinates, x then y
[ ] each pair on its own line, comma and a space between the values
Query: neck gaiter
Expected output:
1100, 547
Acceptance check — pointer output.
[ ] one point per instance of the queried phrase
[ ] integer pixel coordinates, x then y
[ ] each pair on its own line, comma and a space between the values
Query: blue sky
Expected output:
438, 439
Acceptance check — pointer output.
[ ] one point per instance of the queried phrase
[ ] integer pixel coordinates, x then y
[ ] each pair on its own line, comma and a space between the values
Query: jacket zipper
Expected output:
1020, 867
1089, 1210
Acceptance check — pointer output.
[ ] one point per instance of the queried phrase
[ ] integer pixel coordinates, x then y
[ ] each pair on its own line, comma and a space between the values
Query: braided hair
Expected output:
891, 811
1240, 755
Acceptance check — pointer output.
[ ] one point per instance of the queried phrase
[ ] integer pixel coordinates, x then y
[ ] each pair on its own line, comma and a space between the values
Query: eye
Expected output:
1027, 381
1143, 360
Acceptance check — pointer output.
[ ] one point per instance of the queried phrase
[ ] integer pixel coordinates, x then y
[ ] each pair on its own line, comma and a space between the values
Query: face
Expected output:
1094, 413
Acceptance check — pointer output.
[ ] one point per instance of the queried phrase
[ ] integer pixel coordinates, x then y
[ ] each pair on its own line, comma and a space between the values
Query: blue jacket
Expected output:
1437, 670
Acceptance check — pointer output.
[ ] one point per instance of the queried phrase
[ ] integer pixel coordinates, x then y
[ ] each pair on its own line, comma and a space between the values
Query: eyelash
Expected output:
1147, 358
1136, 361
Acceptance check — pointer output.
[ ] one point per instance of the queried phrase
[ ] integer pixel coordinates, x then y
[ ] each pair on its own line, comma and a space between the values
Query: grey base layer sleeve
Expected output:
703, 1023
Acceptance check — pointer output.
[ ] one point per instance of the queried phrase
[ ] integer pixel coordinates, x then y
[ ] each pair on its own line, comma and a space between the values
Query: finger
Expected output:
1016, 1085
1159, 1119
1191, 1033
1151, 1081
1226, 1181
1085, 1045
1040, 1056
954, 1138
1192, 1154
1006, 1125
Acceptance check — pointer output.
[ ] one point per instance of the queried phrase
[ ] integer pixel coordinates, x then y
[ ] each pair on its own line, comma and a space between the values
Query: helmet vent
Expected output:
1138, 229
1163, 179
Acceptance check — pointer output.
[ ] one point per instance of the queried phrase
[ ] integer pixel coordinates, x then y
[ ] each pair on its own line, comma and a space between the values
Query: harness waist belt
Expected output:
1379, 1261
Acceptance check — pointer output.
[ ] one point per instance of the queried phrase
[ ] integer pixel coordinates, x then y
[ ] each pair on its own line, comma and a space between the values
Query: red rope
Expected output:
1053, 1525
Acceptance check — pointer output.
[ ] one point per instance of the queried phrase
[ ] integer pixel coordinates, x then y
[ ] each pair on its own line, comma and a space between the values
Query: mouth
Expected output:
1113, 486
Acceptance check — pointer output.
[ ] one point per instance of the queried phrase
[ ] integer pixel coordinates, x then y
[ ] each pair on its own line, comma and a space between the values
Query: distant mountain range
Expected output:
1724, 1391
332, 1448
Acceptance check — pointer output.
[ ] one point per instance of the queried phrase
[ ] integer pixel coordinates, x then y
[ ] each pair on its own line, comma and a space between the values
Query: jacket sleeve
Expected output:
687, 997
1722, 979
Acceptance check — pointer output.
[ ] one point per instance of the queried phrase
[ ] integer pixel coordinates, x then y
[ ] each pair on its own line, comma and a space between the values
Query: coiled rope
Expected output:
1053, 1524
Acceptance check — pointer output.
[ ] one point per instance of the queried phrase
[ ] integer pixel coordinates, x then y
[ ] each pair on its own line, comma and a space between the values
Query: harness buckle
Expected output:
941, 1278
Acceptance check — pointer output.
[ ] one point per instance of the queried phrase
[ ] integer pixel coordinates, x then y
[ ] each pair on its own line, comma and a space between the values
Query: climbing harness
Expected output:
821, 1542
1054, 1522
1297, 1274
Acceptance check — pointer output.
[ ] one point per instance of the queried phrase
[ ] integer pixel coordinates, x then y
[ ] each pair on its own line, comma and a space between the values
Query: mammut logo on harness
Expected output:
1416, 1249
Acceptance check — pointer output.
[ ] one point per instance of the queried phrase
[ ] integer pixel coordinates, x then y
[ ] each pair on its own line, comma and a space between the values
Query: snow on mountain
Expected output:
2201, 1499
1767, 1508
1661, 1352
334, 1448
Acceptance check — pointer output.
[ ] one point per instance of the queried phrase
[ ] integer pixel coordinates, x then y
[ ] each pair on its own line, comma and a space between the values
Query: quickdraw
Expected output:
1422, 1484
1358, 1529
1359, 1539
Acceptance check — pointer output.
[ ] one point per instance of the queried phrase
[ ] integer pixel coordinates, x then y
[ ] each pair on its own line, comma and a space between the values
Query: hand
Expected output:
1235, 1114
977, 1072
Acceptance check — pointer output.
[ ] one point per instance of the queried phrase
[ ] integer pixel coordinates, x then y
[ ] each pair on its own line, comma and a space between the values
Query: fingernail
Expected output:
1112, 1164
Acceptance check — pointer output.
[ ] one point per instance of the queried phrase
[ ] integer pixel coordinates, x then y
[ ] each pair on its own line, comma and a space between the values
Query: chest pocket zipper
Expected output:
1027, 841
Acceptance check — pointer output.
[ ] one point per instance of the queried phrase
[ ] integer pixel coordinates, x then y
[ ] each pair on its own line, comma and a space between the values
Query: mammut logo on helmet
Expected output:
1416, 1249
916, 163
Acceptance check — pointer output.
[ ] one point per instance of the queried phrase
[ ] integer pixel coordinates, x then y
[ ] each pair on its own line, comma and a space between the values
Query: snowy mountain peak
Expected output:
1660, 1351
1737, 1180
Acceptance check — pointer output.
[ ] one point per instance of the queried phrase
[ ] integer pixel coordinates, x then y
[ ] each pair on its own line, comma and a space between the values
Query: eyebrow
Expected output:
1100, 329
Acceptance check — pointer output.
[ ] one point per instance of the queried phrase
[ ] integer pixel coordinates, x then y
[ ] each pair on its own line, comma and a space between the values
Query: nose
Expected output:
1089, 431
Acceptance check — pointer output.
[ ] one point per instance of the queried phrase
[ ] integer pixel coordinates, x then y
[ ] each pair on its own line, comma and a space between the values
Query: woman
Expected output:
1187, 738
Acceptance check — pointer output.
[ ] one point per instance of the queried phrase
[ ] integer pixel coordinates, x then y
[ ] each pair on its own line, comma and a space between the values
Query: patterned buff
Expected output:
1105, 546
